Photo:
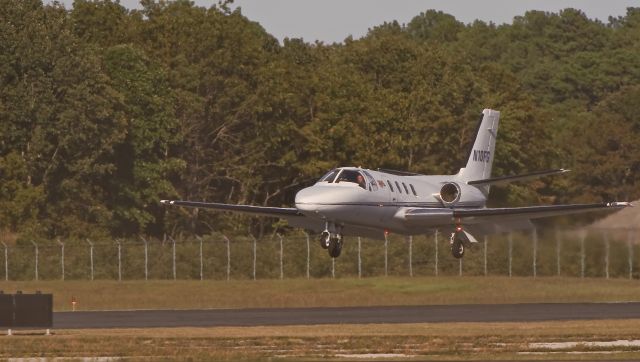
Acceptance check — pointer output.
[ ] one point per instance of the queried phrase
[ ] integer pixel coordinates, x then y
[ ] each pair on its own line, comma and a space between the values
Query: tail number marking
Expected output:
481, 156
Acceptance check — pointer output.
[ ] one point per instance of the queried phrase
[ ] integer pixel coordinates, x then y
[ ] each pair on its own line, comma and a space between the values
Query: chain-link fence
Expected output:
607, 253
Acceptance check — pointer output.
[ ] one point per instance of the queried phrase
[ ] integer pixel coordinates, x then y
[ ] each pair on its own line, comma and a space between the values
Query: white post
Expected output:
510, 238
201, 259
146, 259
386, 255
228, 242
630, 249
359, 257
435, 242
410, 255
90, 256
173, 251
255, 241
36, 254
6, 261
535, 252
308, 256
119, 260
606, 254
583, 236
486, 241
281, 258
333, 268
61, 257
558, 247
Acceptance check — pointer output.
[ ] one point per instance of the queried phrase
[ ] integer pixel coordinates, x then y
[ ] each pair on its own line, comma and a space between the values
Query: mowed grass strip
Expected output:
439, 341
187, 294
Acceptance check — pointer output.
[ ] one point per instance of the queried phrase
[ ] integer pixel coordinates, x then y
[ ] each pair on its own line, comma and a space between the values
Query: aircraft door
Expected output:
380, 195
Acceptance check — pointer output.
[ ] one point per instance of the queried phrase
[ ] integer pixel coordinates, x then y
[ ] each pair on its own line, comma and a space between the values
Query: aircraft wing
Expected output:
283, 212
530, 212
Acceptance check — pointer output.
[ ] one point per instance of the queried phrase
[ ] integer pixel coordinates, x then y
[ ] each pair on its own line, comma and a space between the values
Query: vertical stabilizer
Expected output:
481, 156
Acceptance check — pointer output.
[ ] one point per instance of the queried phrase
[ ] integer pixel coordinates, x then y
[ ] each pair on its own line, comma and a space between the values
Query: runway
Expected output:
346, 315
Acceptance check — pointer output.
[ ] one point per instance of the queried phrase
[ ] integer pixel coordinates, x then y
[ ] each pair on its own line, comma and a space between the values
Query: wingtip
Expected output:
166, 202
620, 204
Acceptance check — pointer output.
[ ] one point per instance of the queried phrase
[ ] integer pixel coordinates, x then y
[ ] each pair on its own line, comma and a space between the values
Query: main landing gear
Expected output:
457, 245
331, 242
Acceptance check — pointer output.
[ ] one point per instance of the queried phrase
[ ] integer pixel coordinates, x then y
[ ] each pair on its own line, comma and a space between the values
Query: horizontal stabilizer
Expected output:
508, 179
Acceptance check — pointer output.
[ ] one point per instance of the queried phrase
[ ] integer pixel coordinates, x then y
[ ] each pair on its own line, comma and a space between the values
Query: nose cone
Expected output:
307, 200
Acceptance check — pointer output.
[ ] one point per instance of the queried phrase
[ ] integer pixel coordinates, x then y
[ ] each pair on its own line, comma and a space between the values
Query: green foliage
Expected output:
105, 110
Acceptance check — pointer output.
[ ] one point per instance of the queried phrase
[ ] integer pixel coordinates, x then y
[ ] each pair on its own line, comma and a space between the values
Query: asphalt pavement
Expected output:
346, 315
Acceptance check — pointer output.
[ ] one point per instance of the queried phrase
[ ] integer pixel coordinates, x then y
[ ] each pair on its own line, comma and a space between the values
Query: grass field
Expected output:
440, 341
185, 294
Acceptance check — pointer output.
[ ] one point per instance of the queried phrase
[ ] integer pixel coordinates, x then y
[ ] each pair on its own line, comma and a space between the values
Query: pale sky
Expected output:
334, 20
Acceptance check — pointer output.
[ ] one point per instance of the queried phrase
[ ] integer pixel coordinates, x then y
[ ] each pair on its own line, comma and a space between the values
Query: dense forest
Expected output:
105, 110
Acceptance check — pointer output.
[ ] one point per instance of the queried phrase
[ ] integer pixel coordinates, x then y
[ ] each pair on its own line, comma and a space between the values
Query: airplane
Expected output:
354, 201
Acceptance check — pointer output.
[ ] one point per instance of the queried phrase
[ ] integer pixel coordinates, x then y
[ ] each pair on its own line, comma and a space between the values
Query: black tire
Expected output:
335, 247
457, 248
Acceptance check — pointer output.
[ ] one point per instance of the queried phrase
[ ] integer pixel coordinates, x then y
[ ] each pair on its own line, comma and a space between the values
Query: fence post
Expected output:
201, 259
333, 268
255, 241
435, 242
411, 255
386, 255
281, 258
583, 236
630, 249
90, 256
119, 260
558, 246
6, 261
486, 241
228, 242
535, 252
61, 258
510, 240
36, 254
606, 254
146, 258
308, 256
173, 257
359, 258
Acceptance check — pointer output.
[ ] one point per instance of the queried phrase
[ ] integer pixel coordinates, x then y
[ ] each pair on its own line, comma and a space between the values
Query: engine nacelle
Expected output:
450, 193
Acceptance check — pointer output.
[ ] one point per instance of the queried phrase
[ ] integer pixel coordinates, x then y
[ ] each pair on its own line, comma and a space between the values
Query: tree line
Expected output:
106, 110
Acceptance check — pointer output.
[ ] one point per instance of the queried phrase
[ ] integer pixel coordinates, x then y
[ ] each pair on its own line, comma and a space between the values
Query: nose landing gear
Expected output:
331, 239
335, 245
331, 242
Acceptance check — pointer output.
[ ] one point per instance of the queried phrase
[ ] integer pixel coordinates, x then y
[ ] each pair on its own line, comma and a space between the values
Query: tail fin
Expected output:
482, 153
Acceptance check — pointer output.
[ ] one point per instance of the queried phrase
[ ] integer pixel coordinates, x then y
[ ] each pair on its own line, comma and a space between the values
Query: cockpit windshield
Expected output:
329, 176
352, 176
341, 175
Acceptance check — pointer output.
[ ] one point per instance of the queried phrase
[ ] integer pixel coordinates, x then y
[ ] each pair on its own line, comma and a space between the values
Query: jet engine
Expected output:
450, 193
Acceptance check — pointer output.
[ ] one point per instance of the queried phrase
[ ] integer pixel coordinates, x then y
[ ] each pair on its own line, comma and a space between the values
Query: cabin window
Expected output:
398, 185
390, 186
405, 187
352, 176
413, 190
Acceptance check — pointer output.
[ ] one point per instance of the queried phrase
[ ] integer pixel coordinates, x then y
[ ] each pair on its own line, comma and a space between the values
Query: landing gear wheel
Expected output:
457, 248
335, 247
325, 239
